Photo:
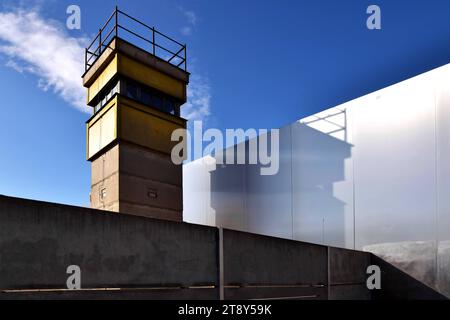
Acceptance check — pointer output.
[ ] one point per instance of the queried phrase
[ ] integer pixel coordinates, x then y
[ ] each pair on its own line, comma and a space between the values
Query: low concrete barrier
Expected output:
38, 241
130, 257
264, 267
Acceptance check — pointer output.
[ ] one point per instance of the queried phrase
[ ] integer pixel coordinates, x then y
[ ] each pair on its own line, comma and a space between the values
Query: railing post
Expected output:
117, 21
185, 57
153, 41
115, 30
99, 42
85, 59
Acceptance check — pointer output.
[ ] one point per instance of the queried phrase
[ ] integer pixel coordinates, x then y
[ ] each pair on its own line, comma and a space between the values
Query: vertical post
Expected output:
221, 266
328, 274
153, 41
323, 230
99, 42
345, 117
117, 21
85, 59
185, 57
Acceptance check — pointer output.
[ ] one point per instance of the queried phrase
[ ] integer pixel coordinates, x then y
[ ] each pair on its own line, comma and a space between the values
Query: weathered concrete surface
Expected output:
347, 274
443, 278
155, 259
398, 285
416, 258
124, 294
266, 267
349, 292
277, 293
130, 179
261, 260
150, 184
38, 241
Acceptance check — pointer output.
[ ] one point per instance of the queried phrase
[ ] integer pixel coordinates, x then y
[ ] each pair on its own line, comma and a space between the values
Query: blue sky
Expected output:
255, 64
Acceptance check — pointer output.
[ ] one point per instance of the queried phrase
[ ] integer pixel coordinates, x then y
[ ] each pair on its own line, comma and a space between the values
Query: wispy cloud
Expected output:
191, 17
198, 106
44, 48
186, 30
191, 20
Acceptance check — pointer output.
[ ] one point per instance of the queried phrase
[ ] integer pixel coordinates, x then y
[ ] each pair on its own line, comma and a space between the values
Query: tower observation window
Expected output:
106, 95
152, 98
132, 91
140, 93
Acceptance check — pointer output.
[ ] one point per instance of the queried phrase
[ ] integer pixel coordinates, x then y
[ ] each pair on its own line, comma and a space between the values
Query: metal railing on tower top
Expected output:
142, 35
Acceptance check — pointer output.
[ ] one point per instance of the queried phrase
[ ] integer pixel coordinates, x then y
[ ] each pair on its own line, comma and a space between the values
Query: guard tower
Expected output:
136, 82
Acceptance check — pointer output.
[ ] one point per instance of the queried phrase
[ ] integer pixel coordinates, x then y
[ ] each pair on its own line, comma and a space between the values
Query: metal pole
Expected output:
221, 267
185, 57
153, 41
117, 22
99, 42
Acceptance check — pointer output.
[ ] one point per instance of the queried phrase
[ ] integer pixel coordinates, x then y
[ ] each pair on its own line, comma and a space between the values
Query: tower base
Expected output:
135, 180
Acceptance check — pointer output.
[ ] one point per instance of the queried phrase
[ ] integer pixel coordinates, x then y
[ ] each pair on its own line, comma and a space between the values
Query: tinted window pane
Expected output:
114, 89
169, 106
131, 91
158, 102
145, 97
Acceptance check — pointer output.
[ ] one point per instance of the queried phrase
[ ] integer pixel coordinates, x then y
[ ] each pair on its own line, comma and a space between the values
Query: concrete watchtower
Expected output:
136, 79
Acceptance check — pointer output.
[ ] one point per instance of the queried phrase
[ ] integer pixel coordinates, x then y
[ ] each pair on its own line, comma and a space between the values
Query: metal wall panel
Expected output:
319, 163
371, 174
395, 180
394, 144
228, 198
443, 178
269, 198
197, 193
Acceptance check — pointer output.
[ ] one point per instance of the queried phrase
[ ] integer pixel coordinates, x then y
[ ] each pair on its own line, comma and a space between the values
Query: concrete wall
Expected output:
256, 266
372, 174
38, 241
130, 257
347, 274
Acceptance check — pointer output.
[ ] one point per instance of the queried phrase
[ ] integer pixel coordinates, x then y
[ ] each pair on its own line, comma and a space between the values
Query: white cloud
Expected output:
191, 19
44, 48
186, 31
198, 106
199, 99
